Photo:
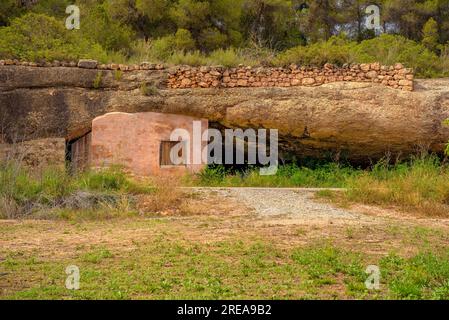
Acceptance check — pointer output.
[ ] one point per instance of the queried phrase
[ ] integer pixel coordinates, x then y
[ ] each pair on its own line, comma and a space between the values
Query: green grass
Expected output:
97, 81
424, 276
420, 184
328, 175
148, 89
166, 269
24, 192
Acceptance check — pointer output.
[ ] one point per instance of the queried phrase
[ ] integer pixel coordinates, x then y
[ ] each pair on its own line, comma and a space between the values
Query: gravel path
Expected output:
299, 203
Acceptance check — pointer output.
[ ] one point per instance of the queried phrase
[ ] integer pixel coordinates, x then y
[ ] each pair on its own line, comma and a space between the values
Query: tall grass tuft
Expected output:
420, 185
327, 175
25, 193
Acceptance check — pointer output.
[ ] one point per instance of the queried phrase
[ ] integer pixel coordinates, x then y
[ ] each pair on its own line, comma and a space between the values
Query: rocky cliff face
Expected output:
359, 121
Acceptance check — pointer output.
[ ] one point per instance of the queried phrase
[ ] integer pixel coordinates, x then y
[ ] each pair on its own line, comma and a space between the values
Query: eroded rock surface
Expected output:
359, 121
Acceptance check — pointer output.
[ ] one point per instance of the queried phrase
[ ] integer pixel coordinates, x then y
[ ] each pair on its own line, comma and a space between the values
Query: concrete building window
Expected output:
166, 147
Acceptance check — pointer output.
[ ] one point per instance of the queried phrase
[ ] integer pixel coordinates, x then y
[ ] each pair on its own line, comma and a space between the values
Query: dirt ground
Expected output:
286, 218
222, 213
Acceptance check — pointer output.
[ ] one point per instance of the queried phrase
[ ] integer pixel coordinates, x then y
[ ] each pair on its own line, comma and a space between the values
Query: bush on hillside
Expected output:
421, 185
389, 49
386, 49
336, 50
37, 36
164, 47
99, 27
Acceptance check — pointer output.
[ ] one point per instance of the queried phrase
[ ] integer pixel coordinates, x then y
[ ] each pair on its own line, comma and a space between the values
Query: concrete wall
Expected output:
133, 141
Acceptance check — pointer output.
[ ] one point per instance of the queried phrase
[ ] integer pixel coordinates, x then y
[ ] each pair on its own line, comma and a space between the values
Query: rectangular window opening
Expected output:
166, 147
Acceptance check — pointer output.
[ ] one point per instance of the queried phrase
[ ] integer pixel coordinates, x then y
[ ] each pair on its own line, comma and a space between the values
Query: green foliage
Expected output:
423, 276
183, 40
446, 122
324, 263
8, 11
228, 57
328, 175
97, 81
55, 8
386, 49
148, 90
271, 23
230, 32
336, 50
213, 24
212, 174
430, 35
37, 36
18, 184
107, 180
164, 47
421, 185
212, 38
118, 75
99, 27
389, 49
194, 58
23, 192
97, 255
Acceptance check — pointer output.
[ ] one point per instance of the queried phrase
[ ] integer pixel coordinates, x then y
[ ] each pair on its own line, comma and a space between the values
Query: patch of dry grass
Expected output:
421, 186
165, 198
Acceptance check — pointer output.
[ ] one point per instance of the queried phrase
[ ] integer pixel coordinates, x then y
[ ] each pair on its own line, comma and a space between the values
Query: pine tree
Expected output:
430, 35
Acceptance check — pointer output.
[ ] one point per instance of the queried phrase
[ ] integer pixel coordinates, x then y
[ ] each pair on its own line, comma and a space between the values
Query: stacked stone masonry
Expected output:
183, 77
397, 76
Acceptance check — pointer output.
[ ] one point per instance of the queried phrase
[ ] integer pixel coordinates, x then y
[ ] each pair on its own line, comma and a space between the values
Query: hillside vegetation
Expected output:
230, 32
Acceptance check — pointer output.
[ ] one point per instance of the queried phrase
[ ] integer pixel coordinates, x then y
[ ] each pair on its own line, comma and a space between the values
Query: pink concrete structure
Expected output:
135, 141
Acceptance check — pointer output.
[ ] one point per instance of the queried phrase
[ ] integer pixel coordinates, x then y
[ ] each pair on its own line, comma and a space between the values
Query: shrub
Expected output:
230, 57
141, 50
98, 26
211, 39
336, 50
194, 58
327, 175
164, 47
97, 81
32, 193
430, 35
386, 49
8, 10
183, 40
36, 36
212, 174
421, 185
118, 75
225, 57
148, 90
389, 49
233, 57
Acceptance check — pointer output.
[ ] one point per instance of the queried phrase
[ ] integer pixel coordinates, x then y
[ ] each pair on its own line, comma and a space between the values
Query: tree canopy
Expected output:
260, 29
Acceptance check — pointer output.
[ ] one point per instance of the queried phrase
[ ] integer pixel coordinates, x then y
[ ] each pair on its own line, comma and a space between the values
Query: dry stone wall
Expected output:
397, 76
183, 77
